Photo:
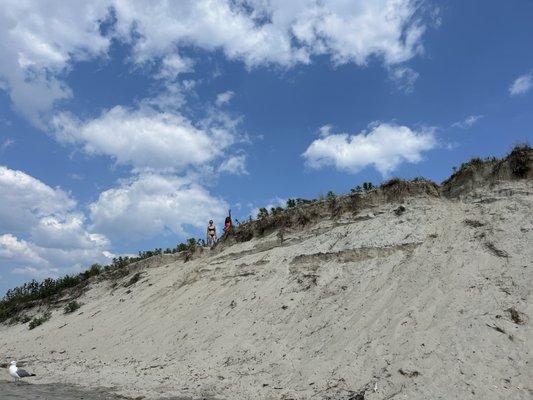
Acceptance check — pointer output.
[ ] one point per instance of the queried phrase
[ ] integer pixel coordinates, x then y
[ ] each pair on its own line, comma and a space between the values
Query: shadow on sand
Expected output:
27, 391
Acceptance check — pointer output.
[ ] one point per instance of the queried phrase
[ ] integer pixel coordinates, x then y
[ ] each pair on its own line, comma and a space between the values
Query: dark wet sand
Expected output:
28, 391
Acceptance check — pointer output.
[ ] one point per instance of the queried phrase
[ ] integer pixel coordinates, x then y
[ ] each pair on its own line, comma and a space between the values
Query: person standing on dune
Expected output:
228, 223
211, 234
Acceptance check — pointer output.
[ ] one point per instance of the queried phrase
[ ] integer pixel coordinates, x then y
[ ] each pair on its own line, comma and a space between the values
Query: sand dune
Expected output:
432, 303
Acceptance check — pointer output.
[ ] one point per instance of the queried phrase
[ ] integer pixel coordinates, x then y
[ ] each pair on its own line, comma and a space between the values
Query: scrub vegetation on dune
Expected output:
71, 307
62, 289
36, 321
298, 213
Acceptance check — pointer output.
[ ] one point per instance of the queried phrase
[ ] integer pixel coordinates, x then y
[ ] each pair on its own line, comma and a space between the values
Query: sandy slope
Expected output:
404, 307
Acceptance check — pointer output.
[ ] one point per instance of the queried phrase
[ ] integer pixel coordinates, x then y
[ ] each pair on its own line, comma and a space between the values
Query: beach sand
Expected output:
410, 306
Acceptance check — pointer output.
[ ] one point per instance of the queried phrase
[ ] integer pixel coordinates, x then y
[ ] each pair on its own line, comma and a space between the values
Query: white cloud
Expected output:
173, 65
521, 85
467, 122
172, 97
234, 165
347, 31
145, 138
68, 232
24, 200
403, 78
385, 147
73, 260
40, 41
20, 251
151, 204
36, 273
40, 230
224, 97
325, 130
436, 16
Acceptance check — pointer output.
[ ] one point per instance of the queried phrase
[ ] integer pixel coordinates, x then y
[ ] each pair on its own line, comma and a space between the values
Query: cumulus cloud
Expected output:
403, 78
385, 147
40, 41
26, 258
24, 200
173, 65
467, 122
67, 232
224, 97
234, 165
40, 229
36, 273
325, 130
280, 32
521, 85
145, 138
151, 204
20, 251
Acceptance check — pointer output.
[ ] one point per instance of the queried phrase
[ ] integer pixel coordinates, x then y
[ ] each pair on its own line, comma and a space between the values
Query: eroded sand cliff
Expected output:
428, 303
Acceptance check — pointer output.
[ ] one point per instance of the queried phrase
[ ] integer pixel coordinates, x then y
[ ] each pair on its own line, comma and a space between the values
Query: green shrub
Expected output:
475, 161
30, 293
391, 182
94, 270
182, 247
148, 254
19, 319
263, 213
276, 210
36, 321
121, 262
134, 279
519, 160
331, 199
367, 186
71, 307
301, 202
14, 321
190, 244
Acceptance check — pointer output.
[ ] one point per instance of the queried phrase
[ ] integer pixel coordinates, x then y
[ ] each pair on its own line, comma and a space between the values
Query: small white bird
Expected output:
18, 373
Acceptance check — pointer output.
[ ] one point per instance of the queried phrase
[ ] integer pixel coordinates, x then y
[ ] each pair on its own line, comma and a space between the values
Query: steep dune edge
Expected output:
356, 299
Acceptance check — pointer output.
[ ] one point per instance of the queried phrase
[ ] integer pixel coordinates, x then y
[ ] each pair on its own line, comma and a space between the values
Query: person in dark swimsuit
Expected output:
211, 234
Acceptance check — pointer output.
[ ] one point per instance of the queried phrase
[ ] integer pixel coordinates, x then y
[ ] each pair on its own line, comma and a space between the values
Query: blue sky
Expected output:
125, 127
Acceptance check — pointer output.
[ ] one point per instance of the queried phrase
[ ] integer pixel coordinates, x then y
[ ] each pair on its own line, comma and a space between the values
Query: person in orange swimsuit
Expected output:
228, 225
